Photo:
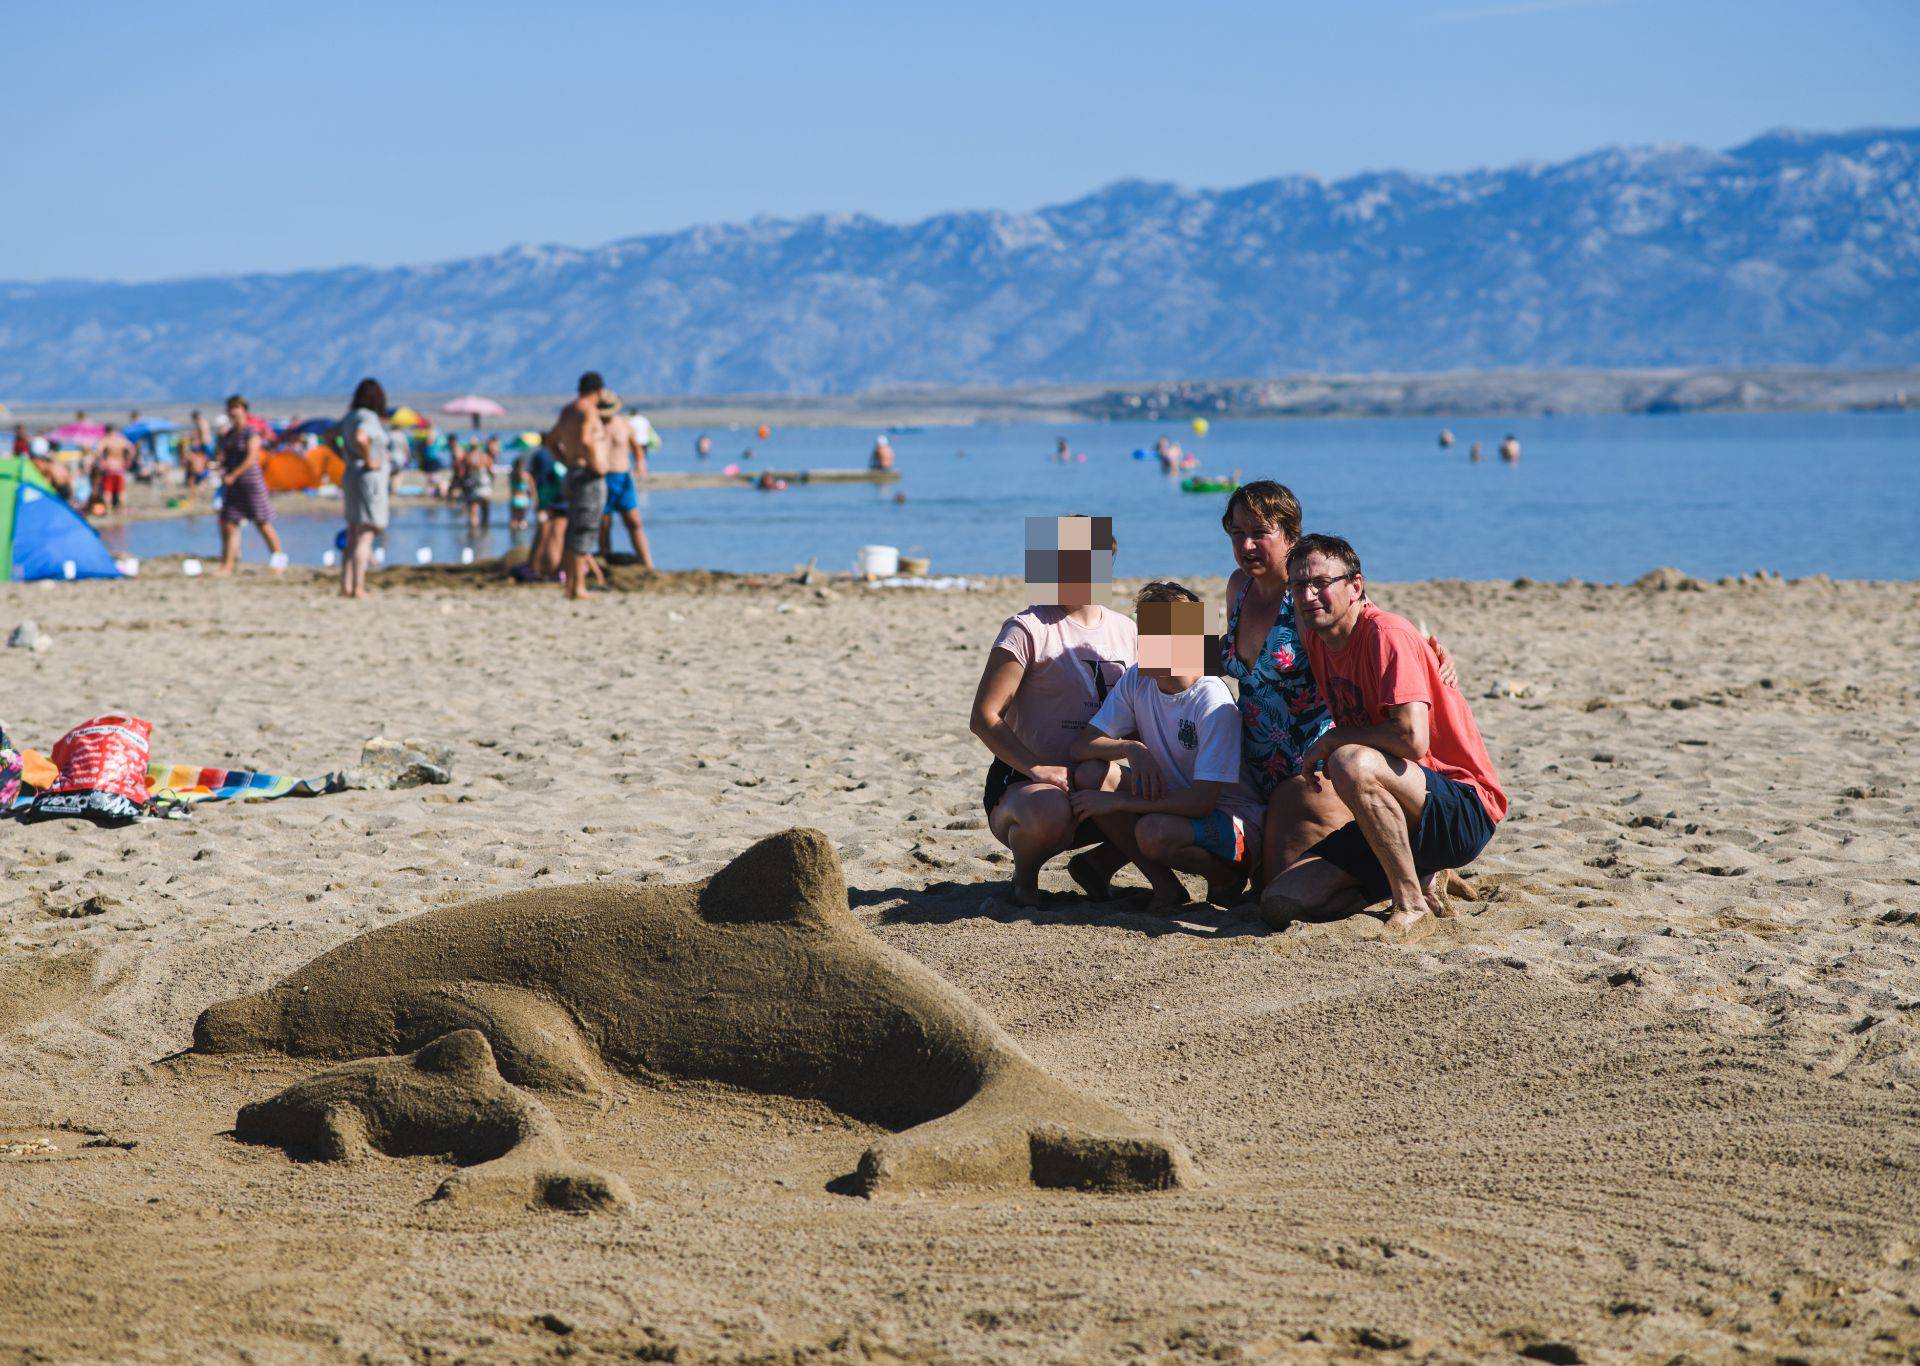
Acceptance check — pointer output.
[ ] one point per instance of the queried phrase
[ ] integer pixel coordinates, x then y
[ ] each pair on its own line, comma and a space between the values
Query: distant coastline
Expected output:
1453, 394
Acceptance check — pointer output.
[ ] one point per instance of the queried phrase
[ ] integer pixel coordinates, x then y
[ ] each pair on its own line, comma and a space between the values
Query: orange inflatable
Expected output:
328, 467
288, 473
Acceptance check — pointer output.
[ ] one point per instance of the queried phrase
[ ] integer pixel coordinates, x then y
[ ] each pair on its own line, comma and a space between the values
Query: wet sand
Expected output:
1654, 1095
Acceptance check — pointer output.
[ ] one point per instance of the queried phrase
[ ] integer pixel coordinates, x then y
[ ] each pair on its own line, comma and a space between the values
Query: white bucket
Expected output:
424, 555
876, 561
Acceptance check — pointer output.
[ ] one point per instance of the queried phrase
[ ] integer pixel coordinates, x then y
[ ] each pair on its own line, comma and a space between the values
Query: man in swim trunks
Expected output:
579, 440
110, 468
1403, 755
626, 458
1177, 730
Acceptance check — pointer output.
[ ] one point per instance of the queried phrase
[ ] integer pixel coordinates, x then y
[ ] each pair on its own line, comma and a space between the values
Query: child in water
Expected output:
519, 495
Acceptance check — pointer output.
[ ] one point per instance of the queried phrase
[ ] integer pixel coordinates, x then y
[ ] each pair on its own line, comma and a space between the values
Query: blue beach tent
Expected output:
40, 535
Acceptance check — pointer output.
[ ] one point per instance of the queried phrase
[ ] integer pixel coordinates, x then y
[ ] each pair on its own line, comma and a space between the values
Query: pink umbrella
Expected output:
475, 406
76, 434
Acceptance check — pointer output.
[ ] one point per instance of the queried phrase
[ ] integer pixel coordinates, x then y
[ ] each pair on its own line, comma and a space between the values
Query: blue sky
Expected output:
142, 141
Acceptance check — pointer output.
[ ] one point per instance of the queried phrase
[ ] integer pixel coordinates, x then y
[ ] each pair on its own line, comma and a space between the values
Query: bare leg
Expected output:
1169, 840
272, 538
229, 547
640, 549
1119, 828
1386, 795
1093, 869
1310, 889
1035, 822
606, 535
360, 553
1301, 812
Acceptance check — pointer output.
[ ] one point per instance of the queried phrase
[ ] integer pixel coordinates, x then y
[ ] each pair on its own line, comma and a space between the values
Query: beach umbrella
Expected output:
317, 426
140, 431
76, 434
407, 417
475, 406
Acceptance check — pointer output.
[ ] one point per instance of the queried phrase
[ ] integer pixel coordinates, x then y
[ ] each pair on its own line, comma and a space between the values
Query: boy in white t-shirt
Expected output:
1181, 805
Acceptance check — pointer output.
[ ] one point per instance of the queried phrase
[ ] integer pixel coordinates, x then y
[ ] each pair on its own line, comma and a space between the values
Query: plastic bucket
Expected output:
915, 566
876, 561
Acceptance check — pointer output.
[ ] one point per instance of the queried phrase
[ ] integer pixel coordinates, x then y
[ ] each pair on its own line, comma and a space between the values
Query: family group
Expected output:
1349, 772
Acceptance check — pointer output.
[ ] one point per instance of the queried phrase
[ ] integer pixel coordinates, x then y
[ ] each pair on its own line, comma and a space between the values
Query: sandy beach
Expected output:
1654, 1095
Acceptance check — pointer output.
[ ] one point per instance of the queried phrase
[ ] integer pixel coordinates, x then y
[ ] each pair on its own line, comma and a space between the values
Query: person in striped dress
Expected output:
243, 489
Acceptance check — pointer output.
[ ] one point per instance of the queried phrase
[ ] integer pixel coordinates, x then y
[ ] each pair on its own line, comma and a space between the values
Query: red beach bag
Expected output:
103, 772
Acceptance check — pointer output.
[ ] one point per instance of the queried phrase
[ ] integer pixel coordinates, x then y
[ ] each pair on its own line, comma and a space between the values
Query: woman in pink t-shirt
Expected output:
1049, 670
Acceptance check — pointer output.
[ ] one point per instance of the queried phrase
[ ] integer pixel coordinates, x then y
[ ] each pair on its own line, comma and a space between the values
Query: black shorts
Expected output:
1001, 776
1454, 828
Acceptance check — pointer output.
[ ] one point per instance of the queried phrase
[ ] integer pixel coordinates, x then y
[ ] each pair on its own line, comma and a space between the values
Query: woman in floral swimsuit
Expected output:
1281, 713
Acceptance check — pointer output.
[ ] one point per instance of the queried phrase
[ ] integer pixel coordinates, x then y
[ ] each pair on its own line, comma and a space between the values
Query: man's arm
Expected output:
1403, 734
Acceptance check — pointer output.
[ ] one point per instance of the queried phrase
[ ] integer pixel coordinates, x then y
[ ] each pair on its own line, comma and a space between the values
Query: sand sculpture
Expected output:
448, 1099
758, 978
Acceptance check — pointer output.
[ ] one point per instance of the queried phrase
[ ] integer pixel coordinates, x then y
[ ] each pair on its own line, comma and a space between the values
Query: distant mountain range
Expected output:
1795, 248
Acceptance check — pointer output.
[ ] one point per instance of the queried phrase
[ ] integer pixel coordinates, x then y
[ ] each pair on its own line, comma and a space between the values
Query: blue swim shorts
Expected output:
1223, 836
620, 493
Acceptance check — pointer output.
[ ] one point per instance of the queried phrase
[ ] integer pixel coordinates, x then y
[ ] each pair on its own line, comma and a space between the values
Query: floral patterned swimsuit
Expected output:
1281, 713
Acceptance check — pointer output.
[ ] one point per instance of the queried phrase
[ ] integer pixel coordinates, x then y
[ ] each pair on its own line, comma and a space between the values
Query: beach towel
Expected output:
175, 785
103, 772
11, 767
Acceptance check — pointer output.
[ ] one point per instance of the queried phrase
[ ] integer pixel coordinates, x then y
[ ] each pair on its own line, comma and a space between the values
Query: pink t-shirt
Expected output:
1070, 668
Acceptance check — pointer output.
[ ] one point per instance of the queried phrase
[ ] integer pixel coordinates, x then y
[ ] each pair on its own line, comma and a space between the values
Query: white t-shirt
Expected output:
1194, 735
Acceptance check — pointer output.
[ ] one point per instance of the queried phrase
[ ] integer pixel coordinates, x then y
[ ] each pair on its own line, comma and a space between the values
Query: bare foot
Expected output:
220, 571
1435, 888
1408, 931
1168, 898
1085, 876
1032, 898
1226, 891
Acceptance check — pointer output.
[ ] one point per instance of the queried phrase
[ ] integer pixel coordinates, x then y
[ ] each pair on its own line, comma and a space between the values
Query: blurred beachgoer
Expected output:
579, 438
703, 447
1510, 449
54, 470
112, 460
367, 483
22, 443
1446, 439
550, 493
476, 484
197, 459
1060, 451
626, 460
244, 496
1404, 756
882, 457
519, 495
1473, 453
1183, 805
1049, 670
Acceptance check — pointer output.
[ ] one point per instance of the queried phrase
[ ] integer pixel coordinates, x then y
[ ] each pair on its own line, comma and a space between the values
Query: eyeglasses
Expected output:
1317, 587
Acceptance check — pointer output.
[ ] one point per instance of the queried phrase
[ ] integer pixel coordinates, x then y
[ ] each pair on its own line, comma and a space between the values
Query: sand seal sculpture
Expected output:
758, 978
446, 1099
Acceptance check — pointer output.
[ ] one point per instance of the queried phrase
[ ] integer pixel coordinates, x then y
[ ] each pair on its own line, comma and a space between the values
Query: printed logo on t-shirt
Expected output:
1345, 702
1106, 672
1188, 735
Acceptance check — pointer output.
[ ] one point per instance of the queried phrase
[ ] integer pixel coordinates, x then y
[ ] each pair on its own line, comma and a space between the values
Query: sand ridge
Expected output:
1651, 1095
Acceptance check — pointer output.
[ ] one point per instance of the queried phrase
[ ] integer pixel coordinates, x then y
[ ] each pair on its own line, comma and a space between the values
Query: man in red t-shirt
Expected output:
1403, 754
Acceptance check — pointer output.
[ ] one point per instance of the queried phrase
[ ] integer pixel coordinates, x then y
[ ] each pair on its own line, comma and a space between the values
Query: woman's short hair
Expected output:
1272, 503
368, 394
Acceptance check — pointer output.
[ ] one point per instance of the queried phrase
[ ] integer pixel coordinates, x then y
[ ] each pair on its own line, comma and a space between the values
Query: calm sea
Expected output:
1597, 498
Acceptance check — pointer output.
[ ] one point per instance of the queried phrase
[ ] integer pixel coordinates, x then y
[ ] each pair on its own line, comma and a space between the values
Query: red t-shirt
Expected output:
1386, 662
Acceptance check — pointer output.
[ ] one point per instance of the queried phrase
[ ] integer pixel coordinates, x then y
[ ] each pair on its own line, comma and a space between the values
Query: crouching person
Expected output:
1403, 756
1050, 668
1180, 805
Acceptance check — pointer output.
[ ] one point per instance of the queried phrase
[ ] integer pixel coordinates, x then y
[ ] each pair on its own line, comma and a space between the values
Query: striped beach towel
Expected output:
178, 785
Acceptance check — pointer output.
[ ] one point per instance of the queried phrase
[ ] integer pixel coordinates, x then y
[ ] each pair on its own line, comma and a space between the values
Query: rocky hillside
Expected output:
1792, 249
